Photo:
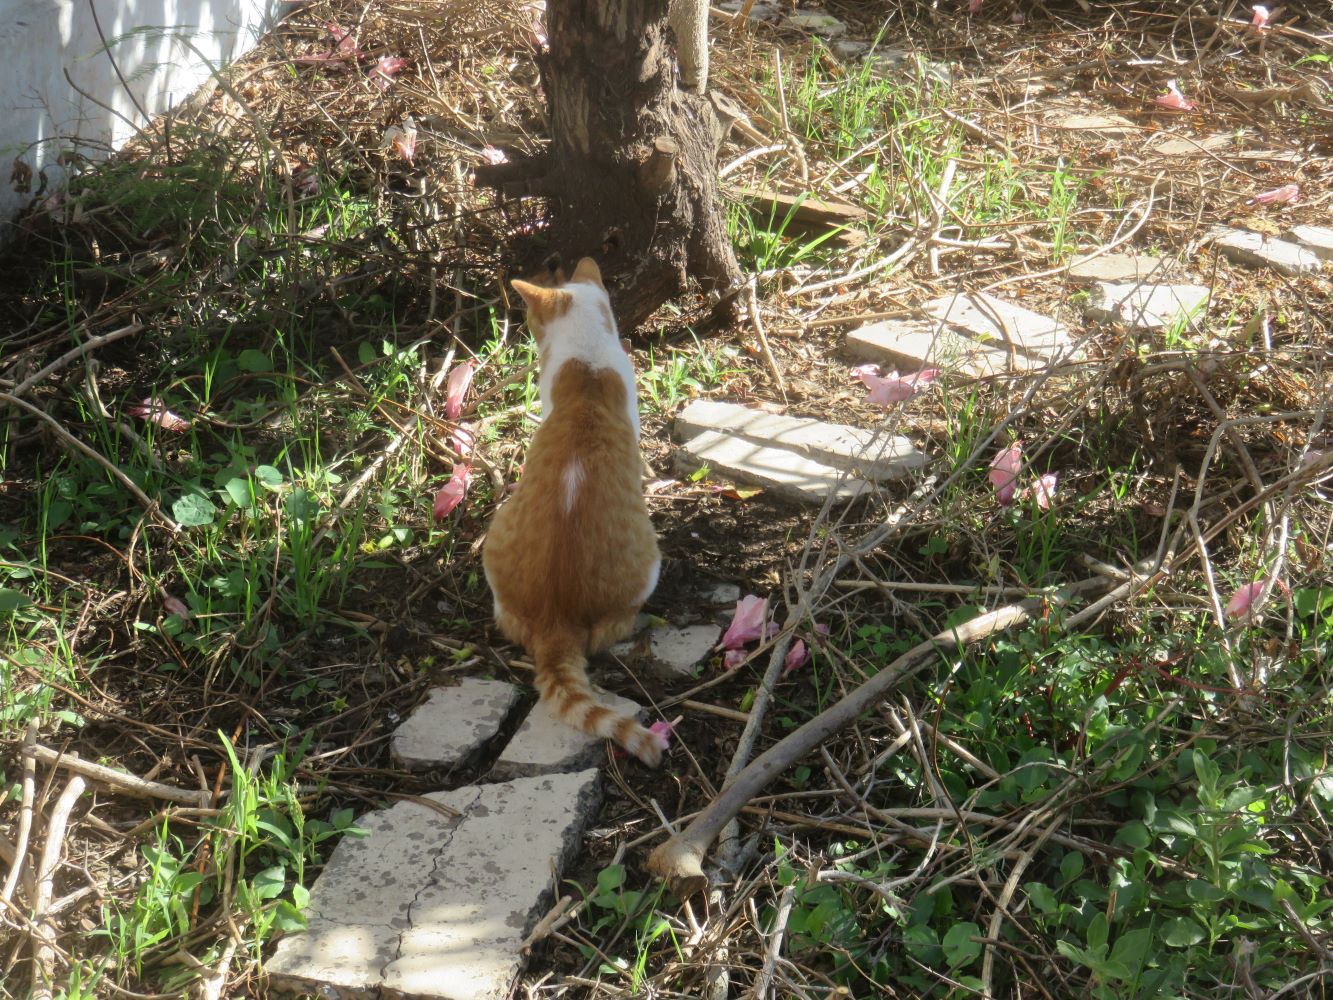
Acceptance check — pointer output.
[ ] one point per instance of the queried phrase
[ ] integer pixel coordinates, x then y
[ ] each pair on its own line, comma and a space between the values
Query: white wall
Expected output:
42, 114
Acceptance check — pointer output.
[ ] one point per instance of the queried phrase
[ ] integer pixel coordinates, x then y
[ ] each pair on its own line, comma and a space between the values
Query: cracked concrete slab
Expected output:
453, 724
1129, 267
781, 472
912, 344
1317, 239
855, 449
1146, 307
437, 908
545, 745
672, 652
998, 322
1246, 247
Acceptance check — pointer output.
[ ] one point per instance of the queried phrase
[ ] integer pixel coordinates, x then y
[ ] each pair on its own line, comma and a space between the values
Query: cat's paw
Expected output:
649, 746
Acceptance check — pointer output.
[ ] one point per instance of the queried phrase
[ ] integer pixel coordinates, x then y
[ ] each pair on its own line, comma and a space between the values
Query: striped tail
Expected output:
562, 682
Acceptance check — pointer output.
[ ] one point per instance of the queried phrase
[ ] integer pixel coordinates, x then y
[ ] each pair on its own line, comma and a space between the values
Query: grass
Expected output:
1092, 811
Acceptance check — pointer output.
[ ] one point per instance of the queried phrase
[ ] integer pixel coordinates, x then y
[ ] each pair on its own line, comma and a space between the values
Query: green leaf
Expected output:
239, 491
1207, 772
1131, 948
1202, 891
611, 877
1133, 834
269, 477
365, 353
1181, 933
254, 361
300, 896
12, 601
1071, 866
1098, 930
959, 948
1042, 897
269, 883
193, 510
288, 918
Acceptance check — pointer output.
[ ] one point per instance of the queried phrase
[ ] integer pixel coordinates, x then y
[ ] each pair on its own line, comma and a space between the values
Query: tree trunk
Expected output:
632, 170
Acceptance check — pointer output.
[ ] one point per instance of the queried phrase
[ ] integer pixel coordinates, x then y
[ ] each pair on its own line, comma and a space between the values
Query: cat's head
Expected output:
550, 297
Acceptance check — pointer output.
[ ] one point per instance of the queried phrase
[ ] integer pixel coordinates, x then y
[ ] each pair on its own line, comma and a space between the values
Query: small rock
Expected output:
997, 322
849, 49
1146, 307
435, 907
910, 345
674, 652
817, 23
453, 724
854, 449
721, 594
1117, 267
1317, 239
781, 472
1256, 248
545, 745
759, 12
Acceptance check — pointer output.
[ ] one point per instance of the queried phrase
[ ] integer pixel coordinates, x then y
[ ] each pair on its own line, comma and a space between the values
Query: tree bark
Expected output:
631, 175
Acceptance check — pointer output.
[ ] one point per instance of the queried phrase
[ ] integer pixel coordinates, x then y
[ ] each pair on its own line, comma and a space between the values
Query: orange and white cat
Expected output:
572, 555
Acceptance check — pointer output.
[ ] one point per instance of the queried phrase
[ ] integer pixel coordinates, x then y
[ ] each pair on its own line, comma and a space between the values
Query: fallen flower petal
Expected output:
1175, 99
1003, 474
346, 41
492, 155
462, 439
747, 624
156, 412
664, 730
456, 389
973, 6
402, 138
451, 493
175, 606
385, 70
1043, 490
1242, 601
892, 388
1261, 16
1287, 192
733, 658
797, 657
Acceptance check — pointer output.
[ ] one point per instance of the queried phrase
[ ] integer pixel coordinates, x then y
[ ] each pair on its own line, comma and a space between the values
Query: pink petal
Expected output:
663, 731
462, 439
402, 139
156, 412
733, 658
1287, 192
1175, 99
1044, 490
1311, 457
747, 624
175, 606
1261, 16
797, 657
973, 6
346, 42
385, 70
890, 389
1243, 599
1003, 474
492, 155
451, 493
456, 388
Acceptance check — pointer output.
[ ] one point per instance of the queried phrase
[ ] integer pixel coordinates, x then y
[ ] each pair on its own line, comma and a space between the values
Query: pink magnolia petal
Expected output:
892, 388
1261, 16
797, 657
156, 412
1003, 474
1044, 490
1242, 601
451, 494
346, 41
492, 155
974, 6
663, 731
733, 658
175, 606
456, 388
1287, 192
462, 439
747, 623
1175, 99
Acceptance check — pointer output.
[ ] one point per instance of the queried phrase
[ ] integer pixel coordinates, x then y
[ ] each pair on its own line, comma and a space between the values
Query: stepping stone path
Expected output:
1317, 239
792, 457
1144, 306
1245, 247
436, 903
1118, 267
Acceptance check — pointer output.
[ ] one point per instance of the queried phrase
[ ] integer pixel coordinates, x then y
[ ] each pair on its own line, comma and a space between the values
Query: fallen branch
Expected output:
680, 860
43, 934
128, 783
25, 814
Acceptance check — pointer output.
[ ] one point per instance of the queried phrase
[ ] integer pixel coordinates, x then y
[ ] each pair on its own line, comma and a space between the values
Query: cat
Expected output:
572, 555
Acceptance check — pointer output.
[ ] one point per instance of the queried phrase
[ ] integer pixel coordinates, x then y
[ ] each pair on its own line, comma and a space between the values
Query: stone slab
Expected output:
1146, 307
818, 23
435, 907
1186, 146
674, 651
779, 471
1109, 125
545, 745
1317, 239
1257, 249
997, 322
855, 449
1118, 267
720, 593
910, 345
452, 725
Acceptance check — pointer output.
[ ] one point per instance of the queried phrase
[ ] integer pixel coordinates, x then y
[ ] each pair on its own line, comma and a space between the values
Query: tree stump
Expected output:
631, 175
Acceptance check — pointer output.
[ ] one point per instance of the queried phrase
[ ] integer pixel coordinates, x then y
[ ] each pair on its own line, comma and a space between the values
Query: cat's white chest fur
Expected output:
586, 333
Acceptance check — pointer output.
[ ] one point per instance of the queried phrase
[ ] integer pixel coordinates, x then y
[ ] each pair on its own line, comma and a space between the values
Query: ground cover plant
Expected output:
263, 385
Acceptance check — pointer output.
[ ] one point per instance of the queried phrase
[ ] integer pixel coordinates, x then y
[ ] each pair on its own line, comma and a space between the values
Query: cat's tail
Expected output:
562, 681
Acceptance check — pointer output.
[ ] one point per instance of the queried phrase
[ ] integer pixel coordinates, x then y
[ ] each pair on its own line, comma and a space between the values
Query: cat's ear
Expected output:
544, 304
587, 270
